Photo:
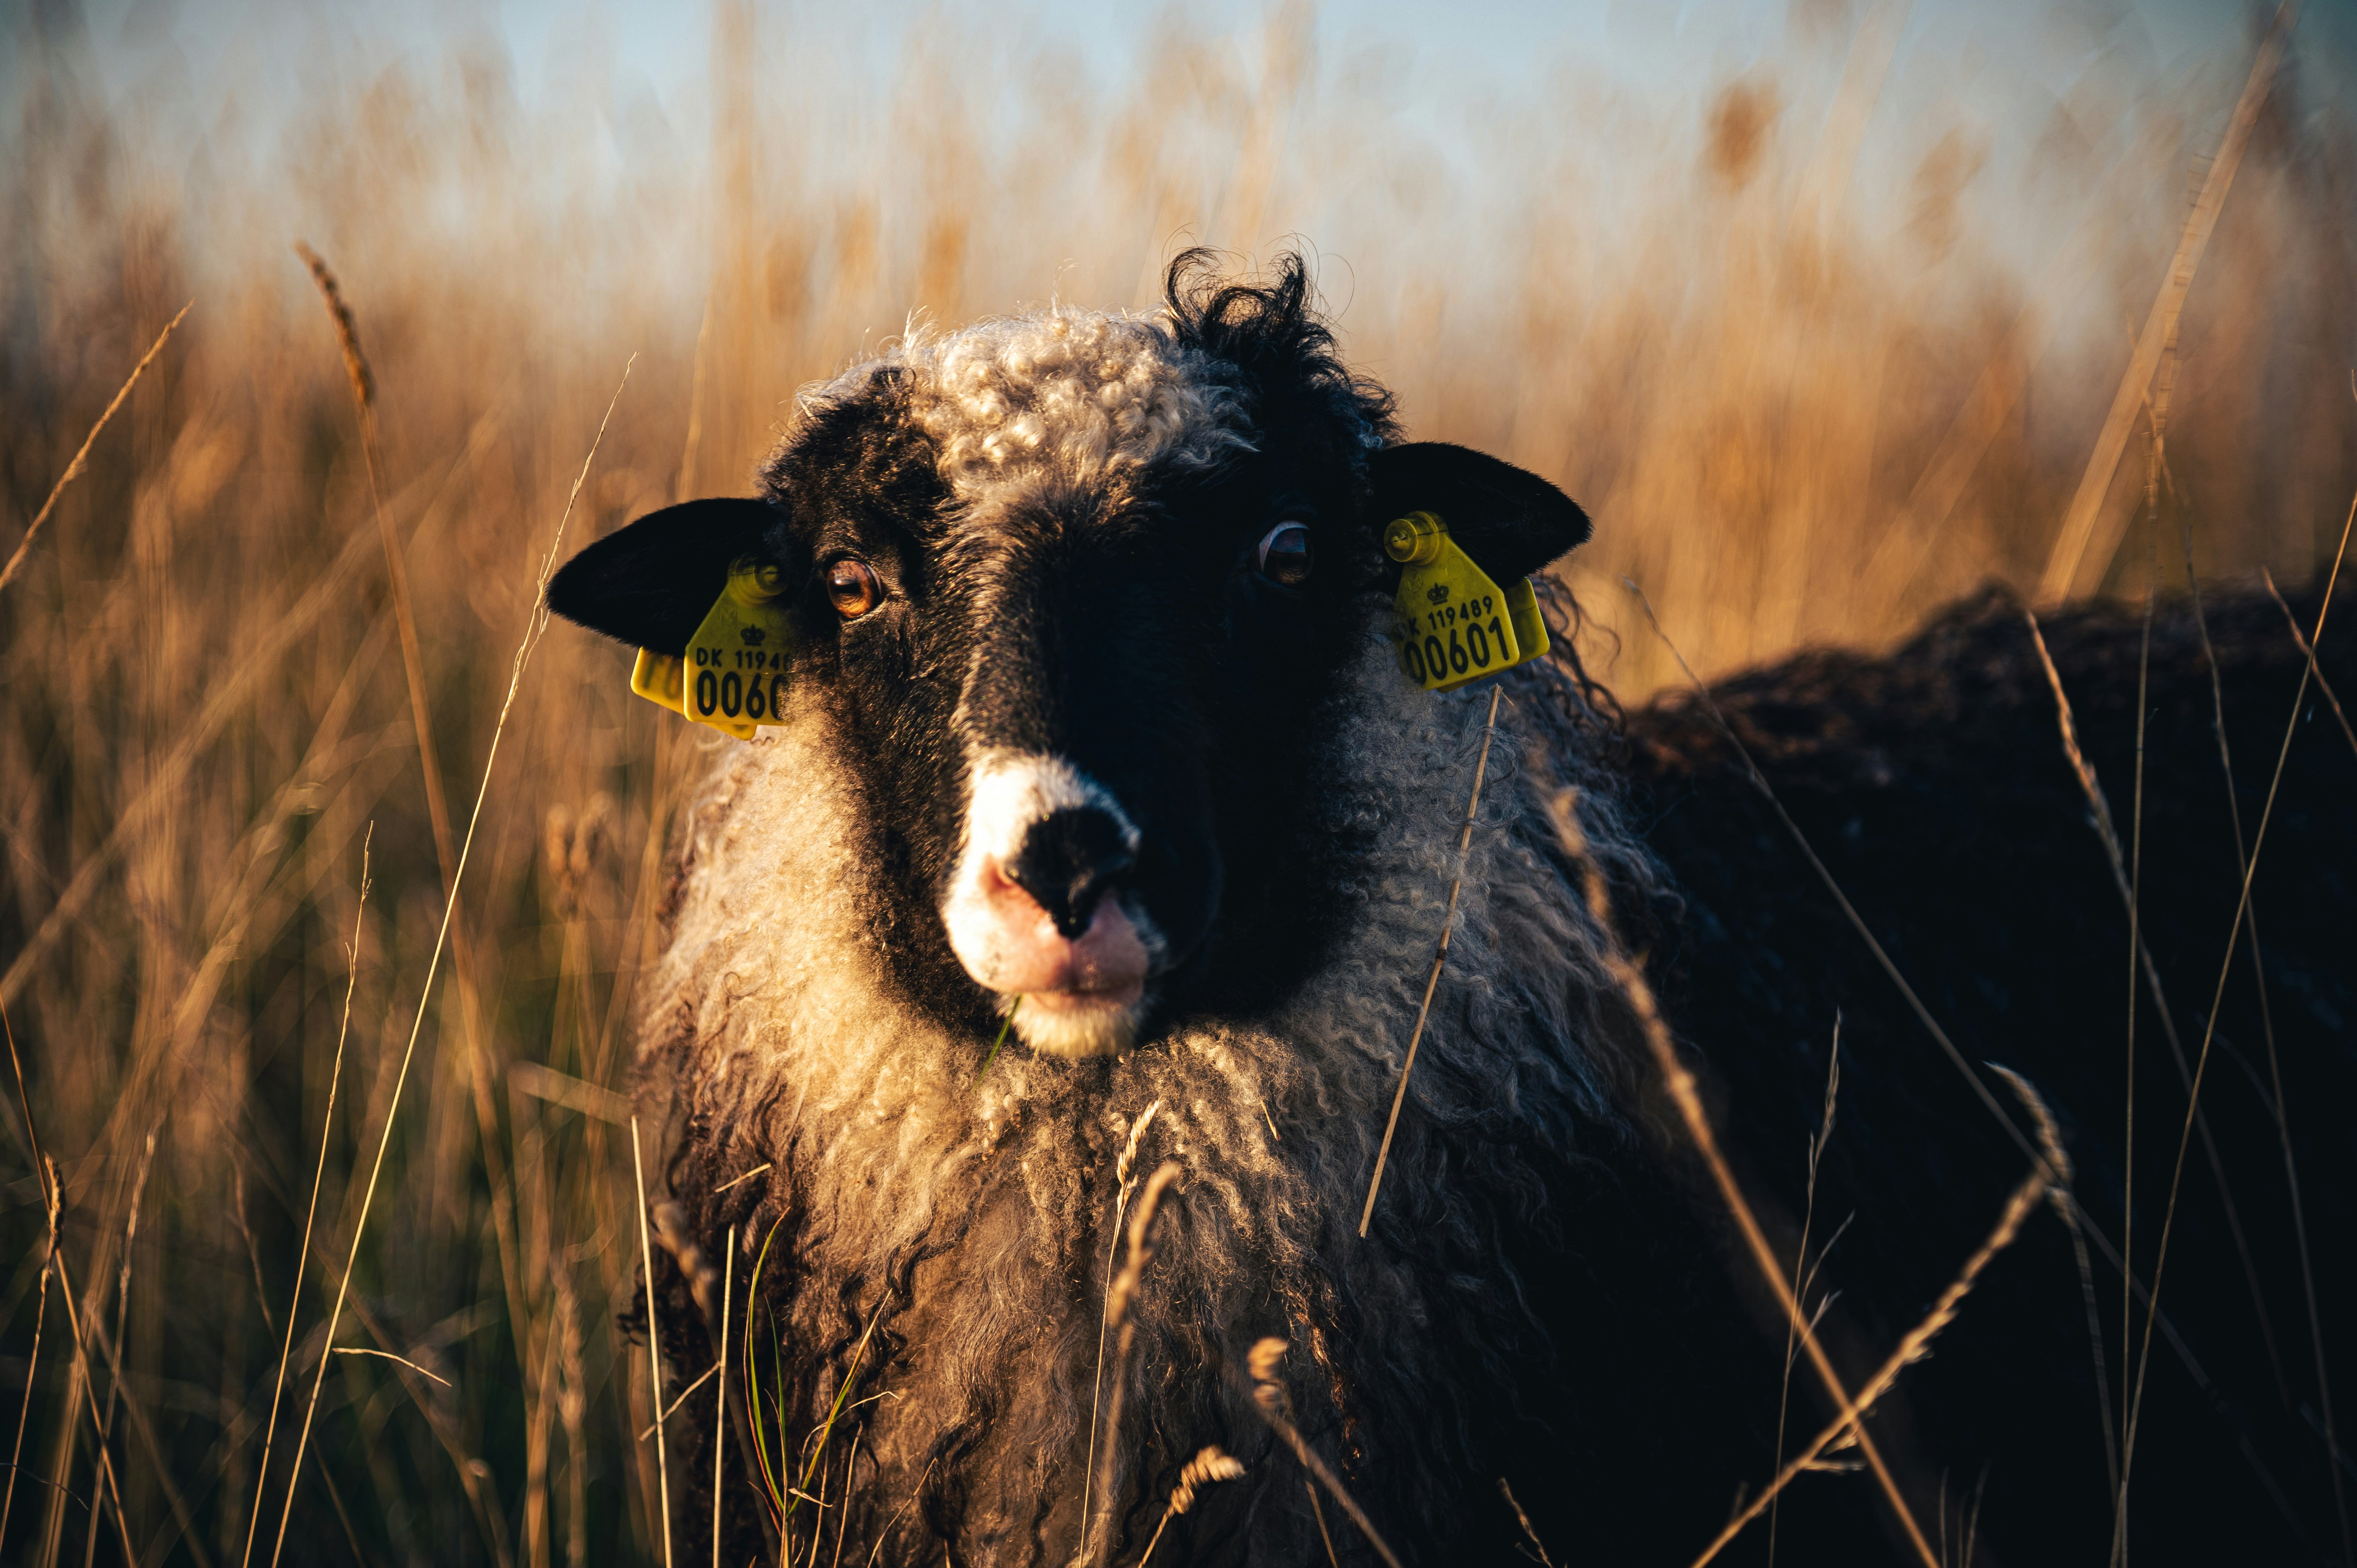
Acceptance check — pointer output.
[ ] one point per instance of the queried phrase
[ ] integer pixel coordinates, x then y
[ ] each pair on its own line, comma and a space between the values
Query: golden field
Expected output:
1821, 326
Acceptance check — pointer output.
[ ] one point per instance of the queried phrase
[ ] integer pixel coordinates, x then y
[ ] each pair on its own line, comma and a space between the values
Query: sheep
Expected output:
1084, 726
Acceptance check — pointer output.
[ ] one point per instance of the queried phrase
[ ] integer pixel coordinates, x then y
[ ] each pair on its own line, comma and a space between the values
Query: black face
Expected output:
1171, 635
1173, 642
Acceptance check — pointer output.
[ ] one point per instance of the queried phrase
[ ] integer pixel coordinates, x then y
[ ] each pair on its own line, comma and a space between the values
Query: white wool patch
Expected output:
1081, 395
1102, 1029
1007, 792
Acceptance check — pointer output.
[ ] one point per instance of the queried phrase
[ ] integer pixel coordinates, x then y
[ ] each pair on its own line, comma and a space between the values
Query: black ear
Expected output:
1510, 521
652, 583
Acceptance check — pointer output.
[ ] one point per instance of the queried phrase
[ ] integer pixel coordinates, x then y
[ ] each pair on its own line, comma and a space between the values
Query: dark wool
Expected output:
1932, 784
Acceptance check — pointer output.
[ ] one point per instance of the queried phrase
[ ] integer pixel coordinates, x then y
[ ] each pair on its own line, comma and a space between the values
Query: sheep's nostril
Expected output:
1067, 861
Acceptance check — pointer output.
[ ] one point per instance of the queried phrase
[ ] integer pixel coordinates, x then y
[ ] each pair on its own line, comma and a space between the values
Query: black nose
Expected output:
1067, 861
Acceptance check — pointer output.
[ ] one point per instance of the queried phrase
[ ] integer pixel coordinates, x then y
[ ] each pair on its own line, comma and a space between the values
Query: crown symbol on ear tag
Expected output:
1451, 622
733, 675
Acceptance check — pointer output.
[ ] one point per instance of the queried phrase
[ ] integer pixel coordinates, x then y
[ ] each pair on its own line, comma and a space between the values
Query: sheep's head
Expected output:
1075, 592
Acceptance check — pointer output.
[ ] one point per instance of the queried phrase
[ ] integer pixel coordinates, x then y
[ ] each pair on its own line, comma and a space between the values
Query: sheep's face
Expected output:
1076, 594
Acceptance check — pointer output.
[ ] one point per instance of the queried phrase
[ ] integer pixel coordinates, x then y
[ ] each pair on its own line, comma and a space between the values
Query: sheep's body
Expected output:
1039, 553
986, 1201
1932, 783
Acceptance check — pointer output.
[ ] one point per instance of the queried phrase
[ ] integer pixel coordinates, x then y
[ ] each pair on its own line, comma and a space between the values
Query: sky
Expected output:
1510, 43
242, 71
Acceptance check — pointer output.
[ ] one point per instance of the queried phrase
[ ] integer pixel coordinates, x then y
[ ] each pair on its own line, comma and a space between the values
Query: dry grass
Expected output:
1915, 1344
654, 1358
81, 458
1816, 1151
1439, 959
1273, 1414
1124, 1290
311, 1210
1272, 1394
2193, 1104
1820, 341
1126, 1178
1211, 1465
1630, 976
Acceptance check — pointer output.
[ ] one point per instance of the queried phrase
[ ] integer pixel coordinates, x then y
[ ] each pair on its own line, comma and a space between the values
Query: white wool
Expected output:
1007, 792
1077, 395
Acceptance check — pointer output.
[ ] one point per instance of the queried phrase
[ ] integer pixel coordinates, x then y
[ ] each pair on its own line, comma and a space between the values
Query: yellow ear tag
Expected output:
1452, 623
734, 675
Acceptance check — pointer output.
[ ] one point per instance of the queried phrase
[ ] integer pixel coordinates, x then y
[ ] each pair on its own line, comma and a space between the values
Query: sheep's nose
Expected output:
1067, 861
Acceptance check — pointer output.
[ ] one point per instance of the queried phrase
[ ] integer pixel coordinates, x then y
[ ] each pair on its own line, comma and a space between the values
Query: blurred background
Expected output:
1818, 307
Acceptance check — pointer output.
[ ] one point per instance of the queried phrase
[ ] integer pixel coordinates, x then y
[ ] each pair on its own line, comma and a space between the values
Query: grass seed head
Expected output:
1211, 1464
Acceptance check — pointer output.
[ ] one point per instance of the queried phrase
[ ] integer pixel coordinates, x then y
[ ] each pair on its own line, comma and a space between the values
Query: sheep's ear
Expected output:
1512, 522
652, 583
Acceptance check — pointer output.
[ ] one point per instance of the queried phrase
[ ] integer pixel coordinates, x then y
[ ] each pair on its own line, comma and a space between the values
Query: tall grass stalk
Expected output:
1210, 1465
1124, 1290
825, 1429
2251, 932
122, 1314
1521, 1517
720, 1395
389, 1356
49, 1269
82, 1395
2301, 638
81, 458
2279, 1103
311, 1211
2135, 944
2128, 882
53, 1202
1266, 1367
2201, 1066
1125, 1182
654, 1341
772, 1487
2050, 1138
2086, 535
413, 663
1912, 1348
915, 1492
1639, 995
1440, 958
678, 1400
842, 1510
1800, 1257
535, 626
32, 1364
1290, 1436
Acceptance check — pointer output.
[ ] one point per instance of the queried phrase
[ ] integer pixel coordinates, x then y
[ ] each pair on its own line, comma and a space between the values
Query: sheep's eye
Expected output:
1284, 555
852, 587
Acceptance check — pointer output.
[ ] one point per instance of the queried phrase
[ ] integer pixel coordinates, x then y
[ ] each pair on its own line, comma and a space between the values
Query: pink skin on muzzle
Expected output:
1015, 948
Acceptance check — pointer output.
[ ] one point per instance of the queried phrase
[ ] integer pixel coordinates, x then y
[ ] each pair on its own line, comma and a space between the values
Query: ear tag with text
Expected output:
1452, 623
733, 676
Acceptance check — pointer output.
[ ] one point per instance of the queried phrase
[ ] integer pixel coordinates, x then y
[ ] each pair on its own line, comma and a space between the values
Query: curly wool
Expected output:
1077, 396
974, 1221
